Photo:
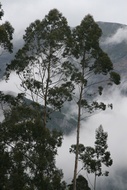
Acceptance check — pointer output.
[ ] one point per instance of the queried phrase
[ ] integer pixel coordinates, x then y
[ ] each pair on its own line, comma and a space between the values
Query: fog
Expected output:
117, 38
115, 123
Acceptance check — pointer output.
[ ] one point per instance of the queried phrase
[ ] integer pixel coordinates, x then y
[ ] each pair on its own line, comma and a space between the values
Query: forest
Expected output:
57, 66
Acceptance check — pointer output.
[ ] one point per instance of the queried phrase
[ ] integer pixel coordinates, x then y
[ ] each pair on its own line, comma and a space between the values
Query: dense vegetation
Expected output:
56, 65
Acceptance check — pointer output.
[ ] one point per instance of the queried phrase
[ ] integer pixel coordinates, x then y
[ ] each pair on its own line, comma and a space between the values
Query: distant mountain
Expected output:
114, 43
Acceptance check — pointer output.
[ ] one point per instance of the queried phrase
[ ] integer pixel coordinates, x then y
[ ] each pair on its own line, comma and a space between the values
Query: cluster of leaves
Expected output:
39, 62
1, 12
81, 184
27, 150
6, 34
94, 158
56, 60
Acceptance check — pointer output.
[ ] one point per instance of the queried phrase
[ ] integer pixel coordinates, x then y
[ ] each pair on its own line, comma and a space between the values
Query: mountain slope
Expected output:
114, 43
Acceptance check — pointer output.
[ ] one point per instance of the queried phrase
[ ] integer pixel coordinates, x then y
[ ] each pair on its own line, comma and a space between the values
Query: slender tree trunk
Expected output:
78, 125
77, 139
95, 181
46, 92
45, 113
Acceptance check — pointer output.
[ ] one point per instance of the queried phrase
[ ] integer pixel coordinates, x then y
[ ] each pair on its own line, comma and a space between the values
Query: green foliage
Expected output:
89, 61
94, 158
57, 64
81, 184
6, 32
44, 63
39, 62
1, 12
28, 150
115, 77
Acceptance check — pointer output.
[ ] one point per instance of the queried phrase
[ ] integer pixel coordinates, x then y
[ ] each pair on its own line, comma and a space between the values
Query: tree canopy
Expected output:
95, 158
27, 149
6, 34
89, 63
56, 64
39, 62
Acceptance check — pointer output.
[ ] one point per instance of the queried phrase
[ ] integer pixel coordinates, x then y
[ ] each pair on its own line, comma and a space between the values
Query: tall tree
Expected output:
39, 66
6, 34
39, 62
94, 158
53, 61
89, 63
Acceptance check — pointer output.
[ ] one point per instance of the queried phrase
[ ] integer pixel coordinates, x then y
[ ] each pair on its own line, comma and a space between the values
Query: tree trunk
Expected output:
95, 181
76, 157
47, 87
77, 139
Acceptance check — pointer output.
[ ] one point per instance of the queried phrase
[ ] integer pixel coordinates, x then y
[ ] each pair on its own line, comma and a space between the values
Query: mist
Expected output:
114, 123
117, 38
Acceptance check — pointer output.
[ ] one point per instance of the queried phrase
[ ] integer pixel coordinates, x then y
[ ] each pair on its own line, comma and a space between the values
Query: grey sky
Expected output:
22, 12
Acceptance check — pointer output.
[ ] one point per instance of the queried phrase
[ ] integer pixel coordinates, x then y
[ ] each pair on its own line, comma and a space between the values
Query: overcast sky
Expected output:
22, 12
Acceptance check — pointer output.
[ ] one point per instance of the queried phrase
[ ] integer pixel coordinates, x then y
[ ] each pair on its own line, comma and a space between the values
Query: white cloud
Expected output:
118, 37
114, 122
12, 85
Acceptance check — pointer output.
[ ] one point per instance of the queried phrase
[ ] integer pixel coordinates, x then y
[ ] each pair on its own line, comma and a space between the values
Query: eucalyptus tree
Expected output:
39, 63
6, 34
90, 70
54, 60
94, 158
27, 149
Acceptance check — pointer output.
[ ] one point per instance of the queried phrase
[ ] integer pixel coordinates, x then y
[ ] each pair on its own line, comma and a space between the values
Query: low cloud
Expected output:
114, 122
119, 37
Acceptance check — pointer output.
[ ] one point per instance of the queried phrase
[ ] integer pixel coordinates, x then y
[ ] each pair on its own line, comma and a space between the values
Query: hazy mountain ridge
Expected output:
114, 43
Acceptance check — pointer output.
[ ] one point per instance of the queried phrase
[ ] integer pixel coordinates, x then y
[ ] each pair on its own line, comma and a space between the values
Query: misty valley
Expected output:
63, 106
